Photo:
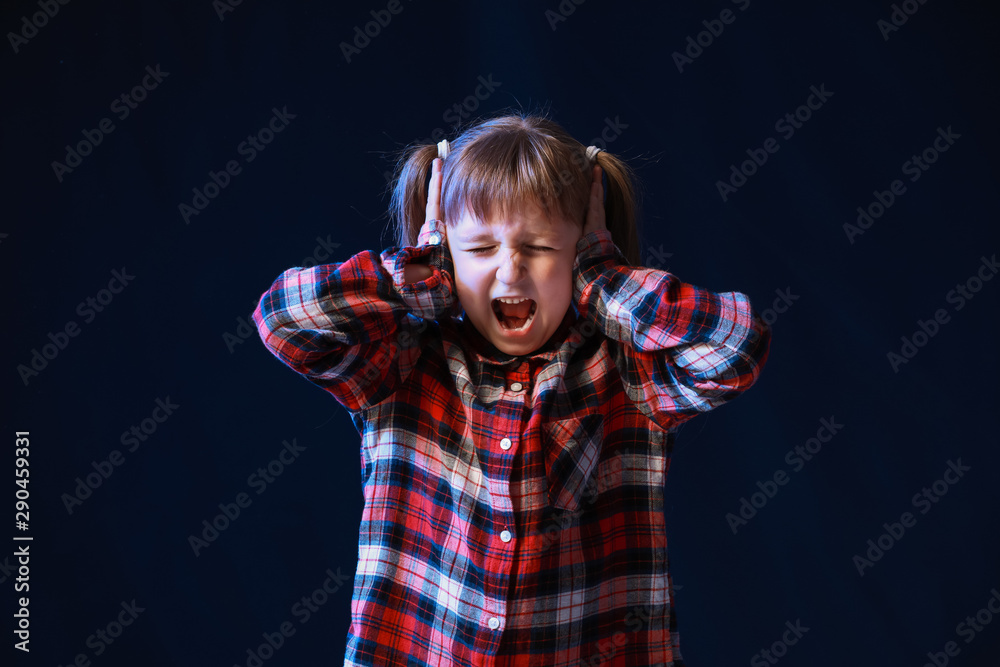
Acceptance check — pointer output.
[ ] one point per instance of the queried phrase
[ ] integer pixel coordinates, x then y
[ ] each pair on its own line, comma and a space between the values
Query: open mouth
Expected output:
514, 314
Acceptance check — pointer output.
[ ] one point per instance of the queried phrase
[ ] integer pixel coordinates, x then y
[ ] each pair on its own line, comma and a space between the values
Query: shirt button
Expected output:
494, 623
505, 536
516, 386
505, 443
435, 238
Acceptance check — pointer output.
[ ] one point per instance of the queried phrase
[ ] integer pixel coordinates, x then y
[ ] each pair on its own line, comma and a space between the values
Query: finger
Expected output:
597, 188
433, 210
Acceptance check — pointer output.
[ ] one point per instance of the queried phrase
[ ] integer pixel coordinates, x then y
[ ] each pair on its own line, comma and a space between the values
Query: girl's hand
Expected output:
433, 210
595, 208
416, 272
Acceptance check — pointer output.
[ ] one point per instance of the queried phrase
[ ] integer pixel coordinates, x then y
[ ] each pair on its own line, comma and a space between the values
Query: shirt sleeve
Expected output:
354, 328
684, 350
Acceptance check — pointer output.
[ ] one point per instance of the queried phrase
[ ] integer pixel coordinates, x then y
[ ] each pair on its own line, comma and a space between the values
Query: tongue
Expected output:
517, 310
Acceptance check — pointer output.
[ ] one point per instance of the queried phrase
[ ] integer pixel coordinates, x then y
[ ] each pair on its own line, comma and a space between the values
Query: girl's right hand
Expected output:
433, 209
416, 272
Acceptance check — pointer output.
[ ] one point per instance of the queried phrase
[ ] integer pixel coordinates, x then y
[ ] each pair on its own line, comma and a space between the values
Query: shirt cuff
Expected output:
434, 296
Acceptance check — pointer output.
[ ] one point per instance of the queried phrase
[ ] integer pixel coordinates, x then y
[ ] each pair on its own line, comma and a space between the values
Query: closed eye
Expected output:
479, 251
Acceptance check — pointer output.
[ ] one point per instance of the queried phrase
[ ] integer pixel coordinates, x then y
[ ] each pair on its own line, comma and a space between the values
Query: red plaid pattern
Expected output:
513, 505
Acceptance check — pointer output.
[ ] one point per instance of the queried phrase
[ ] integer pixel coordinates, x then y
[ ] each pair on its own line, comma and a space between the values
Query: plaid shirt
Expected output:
513, 505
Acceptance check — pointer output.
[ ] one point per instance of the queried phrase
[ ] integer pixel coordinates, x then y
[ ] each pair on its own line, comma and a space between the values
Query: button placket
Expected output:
511, 408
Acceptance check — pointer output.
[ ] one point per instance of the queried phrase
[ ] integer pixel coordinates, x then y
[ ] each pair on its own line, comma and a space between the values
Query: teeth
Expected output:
500, 316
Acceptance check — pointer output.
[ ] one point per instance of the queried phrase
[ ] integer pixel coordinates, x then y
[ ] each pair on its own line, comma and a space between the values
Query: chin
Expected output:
512, 343
516, 350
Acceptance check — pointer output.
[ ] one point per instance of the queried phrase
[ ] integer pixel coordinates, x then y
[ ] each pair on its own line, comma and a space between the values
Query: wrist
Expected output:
415, 272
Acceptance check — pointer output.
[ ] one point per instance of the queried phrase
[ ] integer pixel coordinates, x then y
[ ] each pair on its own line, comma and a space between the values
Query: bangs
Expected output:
502, 170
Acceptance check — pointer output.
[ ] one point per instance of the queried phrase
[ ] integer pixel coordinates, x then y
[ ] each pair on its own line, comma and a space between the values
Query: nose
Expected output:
511, 269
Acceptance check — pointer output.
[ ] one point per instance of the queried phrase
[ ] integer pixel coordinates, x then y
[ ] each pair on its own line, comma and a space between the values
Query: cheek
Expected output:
557, 285
468, 281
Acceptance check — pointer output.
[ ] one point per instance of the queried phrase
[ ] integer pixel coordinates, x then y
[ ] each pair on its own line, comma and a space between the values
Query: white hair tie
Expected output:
443, 149
592, 152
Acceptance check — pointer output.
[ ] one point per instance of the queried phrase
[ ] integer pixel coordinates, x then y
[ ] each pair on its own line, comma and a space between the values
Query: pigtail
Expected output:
409, 193
620, 205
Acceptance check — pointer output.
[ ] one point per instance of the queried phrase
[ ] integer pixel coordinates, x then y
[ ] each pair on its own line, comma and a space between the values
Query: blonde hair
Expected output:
499, 164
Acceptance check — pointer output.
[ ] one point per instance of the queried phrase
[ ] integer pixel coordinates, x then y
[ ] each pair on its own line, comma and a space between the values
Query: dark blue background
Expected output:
323, 177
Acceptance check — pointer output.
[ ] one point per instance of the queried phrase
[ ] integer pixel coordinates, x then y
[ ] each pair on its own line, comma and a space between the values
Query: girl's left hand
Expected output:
595, 208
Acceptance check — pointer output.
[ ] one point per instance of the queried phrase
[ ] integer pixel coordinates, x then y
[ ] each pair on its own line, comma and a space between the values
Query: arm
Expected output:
353, 328
685, 350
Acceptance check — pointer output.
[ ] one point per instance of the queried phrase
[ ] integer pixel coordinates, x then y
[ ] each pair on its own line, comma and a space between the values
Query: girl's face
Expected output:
527, 256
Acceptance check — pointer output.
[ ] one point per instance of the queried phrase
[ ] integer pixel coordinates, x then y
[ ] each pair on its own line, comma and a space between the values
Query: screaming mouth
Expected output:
514, 314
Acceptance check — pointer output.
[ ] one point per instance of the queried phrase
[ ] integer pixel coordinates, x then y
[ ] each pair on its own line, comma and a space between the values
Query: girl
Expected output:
517, 381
